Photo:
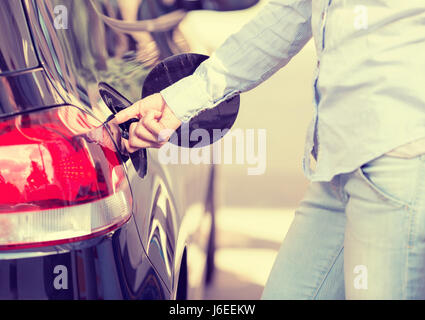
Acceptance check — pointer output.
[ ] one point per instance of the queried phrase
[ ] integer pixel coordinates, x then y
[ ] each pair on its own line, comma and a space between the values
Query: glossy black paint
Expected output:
93, 50
26, 90
114, 266
16, 52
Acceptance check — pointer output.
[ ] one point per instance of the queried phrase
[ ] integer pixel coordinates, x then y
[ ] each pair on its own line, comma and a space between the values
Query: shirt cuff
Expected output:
187, 97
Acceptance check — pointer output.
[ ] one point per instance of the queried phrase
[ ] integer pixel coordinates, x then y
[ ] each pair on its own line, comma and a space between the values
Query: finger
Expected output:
143, 133
136, 143
131, 112
128, 148
134, 140
151, 123
165, 135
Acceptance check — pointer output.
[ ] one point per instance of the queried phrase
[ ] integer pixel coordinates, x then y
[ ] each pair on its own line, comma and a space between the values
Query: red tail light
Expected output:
56, 184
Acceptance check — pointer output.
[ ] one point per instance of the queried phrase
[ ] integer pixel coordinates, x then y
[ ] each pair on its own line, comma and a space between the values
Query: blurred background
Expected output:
256, 211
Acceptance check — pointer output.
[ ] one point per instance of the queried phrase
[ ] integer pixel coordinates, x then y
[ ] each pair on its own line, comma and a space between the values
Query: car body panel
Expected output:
18, 53
113, 266
26, 90
143, 258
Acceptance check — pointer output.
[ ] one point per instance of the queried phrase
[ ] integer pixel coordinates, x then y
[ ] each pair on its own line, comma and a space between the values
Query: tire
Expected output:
211, 206
209, 277
182, 282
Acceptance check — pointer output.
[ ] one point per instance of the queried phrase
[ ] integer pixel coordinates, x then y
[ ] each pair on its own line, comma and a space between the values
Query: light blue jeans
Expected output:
360, 236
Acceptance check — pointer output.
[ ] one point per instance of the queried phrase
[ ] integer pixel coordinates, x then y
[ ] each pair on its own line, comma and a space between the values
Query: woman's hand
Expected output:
156, 123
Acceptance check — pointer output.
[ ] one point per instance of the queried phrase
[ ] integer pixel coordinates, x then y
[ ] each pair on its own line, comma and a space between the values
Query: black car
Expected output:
80, 219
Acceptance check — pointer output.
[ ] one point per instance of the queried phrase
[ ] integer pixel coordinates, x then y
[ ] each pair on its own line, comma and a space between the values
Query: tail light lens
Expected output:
57, 185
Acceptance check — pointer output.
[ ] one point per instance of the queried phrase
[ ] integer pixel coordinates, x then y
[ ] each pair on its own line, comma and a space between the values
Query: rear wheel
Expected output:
211, 205
182, 284
210, 256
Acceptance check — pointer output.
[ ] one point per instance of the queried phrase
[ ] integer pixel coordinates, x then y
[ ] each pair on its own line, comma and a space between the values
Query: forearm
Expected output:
247, 58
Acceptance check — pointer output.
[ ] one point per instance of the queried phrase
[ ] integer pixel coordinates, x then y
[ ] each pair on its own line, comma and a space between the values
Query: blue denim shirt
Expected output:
369, 83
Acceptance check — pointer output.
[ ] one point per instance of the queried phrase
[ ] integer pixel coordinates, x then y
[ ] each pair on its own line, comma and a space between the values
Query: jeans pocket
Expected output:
393, 179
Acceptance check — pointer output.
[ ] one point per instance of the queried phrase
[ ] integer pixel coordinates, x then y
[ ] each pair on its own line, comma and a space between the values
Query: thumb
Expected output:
128, 113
